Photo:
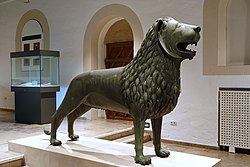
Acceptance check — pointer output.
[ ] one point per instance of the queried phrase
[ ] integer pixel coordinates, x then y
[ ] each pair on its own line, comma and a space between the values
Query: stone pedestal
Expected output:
95, 153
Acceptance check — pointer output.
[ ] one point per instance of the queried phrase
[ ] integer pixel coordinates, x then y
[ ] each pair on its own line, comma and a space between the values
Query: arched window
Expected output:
32, 36
33, 21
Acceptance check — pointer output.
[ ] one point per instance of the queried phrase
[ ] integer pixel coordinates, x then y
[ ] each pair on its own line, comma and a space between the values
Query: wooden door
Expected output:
117, 55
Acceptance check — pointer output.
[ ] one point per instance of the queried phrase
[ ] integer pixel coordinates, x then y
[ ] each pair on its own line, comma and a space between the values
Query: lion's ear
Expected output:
159, 23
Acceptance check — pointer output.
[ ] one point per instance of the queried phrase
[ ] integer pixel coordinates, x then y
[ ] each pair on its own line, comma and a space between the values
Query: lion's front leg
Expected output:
139, 132
156, 126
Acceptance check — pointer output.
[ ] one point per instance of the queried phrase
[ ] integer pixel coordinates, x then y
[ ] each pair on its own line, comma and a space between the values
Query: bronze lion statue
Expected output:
147, 88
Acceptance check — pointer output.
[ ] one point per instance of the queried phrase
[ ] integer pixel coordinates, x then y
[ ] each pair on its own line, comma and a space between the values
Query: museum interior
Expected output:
45, 44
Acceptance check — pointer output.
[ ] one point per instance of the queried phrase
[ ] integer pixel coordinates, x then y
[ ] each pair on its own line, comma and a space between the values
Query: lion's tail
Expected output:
47, 132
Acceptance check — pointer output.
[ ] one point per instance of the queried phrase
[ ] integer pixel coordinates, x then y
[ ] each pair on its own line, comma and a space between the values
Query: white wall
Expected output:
196, 113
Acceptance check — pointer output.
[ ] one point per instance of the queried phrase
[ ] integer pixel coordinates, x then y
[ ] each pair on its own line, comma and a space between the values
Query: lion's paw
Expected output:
143, 160
55, 142
162, 153
74, 137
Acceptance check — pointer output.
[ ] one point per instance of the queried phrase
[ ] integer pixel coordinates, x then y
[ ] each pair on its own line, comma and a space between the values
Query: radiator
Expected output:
234, 117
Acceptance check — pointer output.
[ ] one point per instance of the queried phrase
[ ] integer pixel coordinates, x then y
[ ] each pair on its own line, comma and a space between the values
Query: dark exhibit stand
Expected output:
34, 105
35, 81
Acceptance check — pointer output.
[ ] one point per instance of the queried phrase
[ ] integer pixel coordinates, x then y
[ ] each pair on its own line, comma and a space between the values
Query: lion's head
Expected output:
175, 37
151, 81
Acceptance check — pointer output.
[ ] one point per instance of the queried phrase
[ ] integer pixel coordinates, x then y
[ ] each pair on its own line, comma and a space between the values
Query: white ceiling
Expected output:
5, 1
8, 1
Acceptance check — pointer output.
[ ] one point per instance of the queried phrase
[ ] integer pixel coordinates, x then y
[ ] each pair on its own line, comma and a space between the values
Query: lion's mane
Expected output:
151, 82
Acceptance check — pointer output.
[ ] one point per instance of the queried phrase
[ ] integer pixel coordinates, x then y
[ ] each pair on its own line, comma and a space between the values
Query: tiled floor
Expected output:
228, 159
10, 130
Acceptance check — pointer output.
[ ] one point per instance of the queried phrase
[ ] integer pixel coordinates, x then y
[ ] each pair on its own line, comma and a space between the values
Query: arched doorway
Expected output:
100, 23
118, 43
93, 44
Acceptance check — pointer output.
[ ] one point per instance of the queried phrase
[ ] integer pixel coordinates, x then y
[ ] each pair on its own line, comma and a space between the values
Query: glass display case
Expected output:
38, 68
35, 81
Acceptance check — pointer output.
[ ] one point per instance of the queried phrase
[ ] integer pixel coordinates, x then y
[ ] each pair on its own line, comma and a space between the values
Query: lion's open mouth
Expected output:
183, 47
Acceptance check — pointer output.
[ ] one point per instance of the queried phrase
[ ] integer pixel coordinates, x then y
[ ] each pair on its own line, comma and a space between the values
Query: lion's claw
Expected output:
74, 137
55, 142
162, 153
143, 160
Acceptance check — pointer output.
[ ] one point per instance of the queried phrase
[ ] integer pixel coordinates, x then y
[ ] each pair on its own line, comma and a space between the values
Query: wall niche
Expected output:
226, 37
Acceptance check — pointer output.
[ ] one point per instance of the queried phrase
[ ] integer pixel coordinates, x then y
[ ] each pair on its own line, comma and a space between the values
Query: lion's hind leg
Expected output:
71, 100
57, 119
80, 110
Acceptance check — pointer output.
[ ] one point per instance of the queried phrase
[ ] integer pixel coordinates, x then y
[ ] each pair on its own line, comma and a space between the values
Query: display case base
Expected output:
34, 105
95, 153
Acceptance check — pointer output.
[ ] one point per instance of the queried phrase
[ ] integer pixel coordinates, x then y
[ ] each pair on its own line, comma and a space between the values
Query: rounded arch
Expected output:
102, 17
37, 15
215, 40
